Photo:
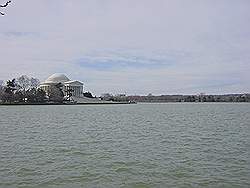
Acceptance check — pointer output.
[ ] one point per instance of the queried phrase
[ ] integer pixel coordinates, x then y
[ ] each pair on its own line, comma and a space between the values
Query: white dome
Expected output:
57, 78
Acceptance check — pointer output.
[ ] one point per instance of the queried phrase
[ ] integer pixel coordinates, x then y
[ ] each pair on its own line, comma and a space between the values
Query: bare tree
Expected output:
34, 82
25, 83
4, 6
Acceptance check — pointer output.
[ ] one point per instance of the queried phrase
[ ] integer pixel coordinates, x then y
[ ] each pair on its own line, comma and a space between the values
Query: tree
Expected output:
1, 91
24, 82
88, 94
22, 90
107, 97
26, 89
34, 82
19, 96
4, 6
31, 95
40, 95
56, 94
9, 90
69, 94
204, 99
189, 99
210, 98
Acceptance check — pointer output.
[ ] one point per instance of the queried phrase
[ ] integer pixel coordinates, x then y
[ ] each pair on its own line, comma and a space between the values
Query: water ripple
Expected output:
140, 146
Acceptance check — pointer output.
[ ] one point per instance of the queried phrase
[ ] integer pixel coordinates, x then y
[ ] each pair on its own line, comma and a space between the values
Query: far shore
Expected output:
109, 103
49, 104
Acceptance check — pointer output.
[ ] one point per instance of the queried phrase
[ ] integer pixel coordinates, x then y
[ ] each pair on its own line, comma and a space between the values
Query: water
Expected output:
143, 145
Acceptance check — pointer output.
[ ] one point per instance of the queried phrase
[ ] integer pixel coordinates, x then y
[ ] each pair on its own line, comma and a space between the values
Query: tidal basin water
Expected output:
142, 145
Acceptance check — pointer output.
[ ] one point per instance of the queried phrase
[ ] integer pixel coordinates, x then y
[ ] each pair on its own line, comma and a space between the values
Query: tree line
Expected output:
25, 90
179, 98
22, 90
192, 98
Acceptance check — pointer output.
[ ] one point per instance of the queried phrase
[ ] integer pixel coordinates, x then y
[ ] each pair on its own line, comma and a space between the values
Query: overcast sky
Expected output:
130, 46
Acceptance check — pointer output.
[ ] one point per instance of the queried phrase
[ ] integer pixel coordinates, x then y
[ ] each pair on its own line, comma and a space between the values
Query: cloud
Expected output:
122, 59
152, 46
19, 34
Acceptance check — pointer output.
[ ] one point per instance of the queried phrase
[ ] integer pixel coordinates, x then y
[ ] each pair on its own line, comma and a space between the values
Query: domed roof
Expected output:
57, 78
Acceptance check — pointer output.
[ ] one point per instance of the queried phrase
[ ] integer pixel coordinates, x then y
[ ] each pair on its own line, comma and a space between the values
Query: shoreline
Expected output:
65, 104
113, 103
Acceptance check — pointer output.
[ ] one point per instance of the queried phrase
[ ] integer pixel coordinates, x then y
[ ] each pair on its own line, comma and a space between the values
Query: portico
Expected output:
74, 85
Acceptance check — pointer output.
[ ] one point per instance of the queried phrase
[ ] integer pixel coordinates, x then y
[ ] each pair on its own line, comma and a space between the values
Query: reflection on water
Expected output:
143, 145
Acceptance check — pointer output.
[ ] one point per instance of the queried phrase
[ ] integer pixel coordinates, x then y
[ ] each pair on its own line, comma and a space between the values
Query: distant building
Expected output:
121, 95
57, 78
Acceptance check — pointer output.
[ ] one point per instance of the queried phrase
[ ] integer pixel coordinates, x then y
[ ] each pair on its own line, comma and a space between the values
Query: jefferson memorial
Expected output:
57, 78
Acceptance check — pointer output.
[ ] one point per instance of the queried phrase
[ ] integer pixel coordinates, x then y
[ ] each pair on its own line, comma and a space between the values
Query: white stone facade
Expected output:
54, 79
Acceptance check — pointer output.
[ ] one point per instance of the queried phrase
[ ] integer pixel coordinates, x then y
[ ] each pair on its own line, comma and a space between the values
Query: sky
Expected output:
135, 47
